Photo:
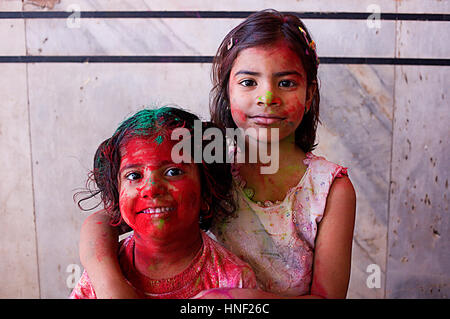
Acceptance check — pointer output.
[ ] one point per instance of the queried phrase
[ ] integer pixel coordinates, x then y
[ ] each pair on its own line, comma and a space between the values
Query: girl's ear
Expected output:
205, 210
204, 207
310, 93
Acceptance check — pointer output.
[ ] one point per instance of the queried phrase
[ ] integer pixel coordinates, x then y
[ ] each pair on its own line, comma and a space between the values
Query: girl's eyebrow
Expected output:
128, 166
138, 165
284, 73
246, 72
276, 74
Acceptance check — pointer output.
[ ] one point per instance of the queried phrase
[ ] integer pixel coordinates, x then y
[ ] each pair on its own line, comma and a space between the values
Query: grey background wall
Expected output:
387, 123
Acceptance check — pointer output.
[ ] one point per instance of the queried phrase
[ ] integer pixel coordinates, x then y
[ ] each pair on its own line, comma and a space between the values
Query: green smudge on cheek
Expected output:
161, 223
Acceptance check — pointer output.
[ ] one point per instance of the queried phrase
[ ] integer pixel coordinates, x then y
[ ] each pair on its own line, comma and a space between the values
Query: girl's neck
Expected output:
274, 187
159, 259
284, 151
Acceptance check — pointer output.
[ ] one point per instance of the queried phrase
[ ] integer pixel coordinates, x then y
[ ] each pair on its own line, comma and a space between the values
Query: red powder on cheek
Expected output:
294, 109
188, 195
240, 115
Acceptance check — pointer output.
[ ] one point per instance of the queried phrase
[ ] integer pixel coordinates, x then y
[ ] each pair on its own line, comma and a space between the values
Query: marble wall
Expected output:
388, 124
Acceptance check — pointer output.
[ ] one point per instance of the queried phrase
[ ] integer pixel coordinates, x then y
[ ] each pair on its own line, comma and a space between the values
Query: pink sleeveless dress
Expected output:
277, 239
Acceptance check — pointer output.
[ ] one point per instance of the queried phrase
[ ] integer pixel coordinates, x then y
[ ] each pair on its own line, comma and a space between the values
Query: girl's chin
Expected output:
271, 135
153, 230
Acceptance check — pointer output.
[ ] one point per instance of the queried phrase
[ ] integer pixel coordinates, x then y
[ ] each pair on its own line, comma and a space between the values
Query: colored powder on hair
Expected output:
159, 139
145, 122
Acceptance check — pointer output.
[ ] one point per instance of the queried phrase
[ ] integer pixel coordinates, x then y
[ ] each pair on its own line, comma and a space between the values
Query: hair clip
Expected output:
230, 44
304, 34
311, 45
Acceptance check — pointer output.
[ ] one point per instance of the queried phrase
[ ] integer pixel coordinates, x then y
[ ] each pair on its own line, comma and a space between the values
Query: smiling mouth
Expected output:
156, 210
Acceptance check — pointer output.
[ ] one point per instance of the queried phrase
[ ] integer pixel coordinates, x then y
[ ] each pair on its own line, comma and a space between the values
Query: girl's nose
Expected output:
268, 99
152, 189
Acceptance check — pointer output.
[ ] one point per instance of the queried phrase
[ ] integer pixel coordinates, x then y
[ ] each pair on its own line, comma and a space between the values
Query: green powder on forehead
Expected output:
146, 122
159, 139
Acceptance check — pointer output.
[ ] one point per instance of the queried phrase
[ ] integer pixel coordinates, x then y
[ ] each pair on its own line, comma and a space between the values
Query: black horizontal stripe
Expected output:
106, 59
218, 14
208, 59
385, 61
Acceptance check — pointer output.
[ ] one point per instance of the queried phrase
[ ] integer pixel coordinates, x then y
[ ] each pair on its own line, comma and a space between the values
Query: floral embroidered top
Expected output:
277, 239
213, 267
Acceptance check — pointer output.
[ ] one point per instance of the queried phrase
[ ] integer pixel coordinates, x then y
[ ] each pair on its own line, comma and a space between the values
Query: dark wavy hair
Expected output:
261, 29
215, 177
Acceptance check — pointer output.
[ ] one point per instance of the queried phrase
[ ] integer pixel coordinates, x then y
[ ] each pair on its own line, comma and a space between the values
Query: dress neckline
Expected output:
172, 284
248, 192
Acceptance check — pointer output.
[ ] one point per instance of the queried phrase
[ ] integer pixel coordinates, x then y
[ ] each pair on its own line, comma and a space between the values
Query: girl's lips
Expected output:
157, 210
266, 119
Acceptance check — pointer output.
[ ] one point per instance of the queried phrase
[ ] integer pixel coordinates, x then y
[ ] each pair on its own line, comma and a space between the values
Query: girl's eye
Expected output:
287, 83
173, 171
133, 176
247, 83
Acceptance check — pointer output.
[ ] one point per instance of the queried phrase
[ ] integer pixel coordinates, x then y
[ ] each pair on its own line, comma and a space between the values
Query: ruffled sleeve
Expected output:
342, 172
83, 289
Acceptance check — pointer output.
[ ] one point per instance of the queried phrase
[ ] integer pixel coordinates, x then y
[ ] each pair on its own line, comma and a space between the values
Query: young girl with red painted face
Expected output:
165, 203
295, 226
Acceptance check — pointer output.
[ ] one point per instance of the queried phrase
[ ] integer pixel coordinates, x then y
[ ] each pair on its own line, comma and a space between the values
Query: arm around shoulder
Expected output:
98, 254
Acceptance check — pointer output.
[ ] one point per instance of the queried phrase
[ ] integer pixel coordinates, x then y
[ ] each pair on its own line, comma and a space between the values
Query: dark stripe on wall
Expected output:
218, 14
208, 59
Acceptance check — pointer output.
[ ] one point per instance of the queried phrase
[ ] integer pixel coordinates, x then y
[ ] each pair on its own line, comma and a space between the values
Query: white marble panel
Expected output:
356, 112
18, 263
195, 36
11, 5
419, 6
192, 37
127, 36
232, 5
73, 108
12, 31
352, 38
423, 39
419, 230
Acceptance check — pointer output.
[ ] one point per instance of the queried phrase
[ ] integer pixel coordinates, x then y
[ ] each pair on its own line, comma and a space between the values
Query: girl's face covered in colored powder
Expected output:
267, 89
158, 198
